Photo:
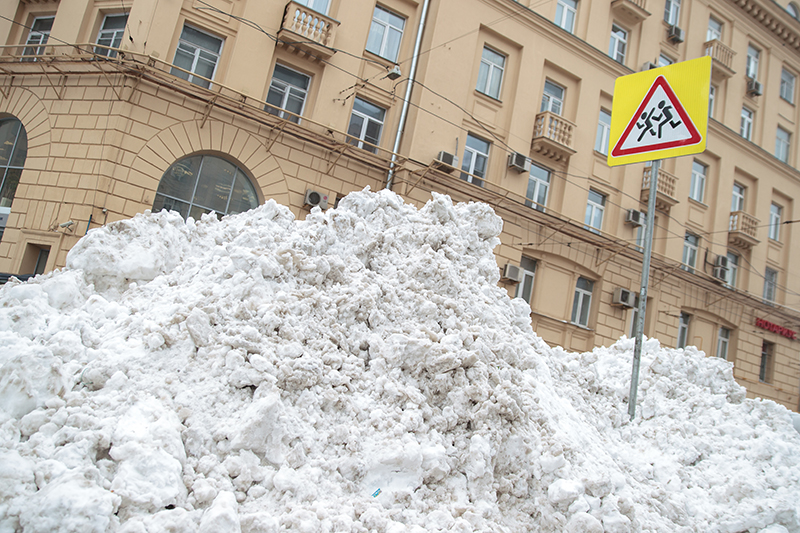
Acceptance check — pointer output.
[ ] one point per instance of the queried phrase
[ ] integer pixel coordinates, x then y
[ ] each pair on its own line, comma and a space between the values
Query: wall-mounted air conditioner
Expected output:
315, 198
649, 66
634, 217
721, 261
446, 161
623, 297
754, 88
519, 162
511, 273
675, 35
720, 273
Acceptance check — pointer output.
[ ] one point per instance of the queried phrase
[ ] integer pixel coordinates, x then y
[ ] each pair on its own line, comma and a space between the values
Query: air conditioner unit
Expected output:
519, 162
720, 273
753, 87
623, 297
721, 261
446, 160
675, 35
314, 199
511, 273
649, 66
635, 217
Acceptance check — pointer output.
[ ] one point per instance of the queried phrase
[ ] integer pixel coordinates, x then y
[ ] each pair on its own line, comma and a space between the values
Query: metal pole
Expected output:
648, 249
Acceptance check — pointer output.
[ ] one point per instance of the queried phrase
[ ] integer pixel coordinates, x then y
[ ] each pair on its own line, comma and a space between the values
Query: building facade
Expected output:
110, 108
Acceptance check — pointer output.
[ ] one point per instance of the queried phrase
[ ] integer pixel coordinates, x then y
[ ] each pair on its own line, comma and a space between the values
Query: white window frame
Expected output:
490, 73
672, 12
684, 321
746, 123
737, 197
697, 188
387, 48
475, 157
641, 232
618, 44
770, 285
751, 65
367, 119
525, 287
113, 37
775, 214
37, 39
712, 99
552, 98
691, 245
287, 89
566, 13
723, 342
732, 275
714, 31
765, 367
538, 187
595, 209
782, 144
788, 82
664, 61
582, 302
603, 132
320, 6
196, 51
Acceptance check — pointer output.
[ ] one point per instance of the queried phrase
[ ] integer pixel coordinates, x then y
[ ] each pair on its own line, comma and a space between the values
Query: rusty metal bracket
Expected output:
421, 177
555, 230
610, 257
277, 134
339, 154
63, 80
6, 89
209, 106
110, 83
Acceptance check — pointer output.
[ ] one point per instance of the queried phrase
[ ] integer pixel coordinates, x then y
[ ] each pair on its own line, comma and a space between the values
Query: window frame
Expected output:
468, 173
36, 48
697, 185
595, 209
196, 55
563, 12
603, 135
285, 88
770, 285
359, 140
782, 145
684, 322
747, 118
388, 29
738, 198
618, 43
732, 275
552, 102
691, 248
311, 4
751, 62
714, 33
787, 87
114, 35
525, 287
672, 12
766, 364
712, 100
491, 70
723, 342
10, 174
582, 302
775, 215
536, 184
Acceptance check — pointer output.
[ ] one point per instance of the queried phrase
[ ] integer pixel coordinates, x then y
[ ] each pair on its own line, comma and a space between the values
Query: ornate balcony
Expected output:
665, 197
307, 32
552, 136
742, 230
722, 59
630, 12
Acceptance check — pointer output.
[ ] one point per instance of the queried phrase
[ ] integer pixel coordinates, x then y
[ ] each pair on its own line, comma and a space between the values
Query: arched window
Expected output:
13, 151
793, 10
200, 184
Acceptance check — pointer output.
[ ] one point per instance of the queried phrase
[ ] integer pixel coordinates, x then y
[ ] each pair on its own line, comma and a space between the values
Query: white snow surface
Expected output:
357, 371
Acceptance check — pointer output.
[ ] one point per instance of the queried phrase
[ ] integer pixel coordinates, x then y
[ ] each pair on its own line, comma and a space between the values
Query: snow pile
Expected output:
357, 371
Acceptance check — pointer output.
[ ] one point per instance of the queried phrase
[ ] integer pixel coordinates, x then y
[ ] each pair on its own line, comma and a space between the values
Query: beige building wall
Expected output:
101, 134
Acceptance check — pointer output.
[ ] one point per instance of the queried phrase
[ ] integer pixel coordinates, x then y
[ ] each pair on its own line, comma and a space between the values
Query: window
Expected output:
39, 34
366, 124
664, 61
782, 140
197, 53
714, 29
697, 187
634, 318
746, 124
641, 232
385, 34
737, 198
793, 10
751, 68
712, 98
287, 92
595, 205
733, 270
582, 302
111, 34
476, 158
619, 40
672, 12
683, 329
690, 245
770, 285
13, 152
603, 132
538, 187
199, 184
525, 287
775, 212
787, 85
565, 14
765, 371
490, 74
321, 6
723, 339
553, 98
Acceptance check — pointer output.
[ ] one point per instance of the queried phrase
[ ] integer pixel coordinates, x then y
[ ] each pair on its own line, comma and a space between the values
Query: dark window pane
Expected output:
179, 179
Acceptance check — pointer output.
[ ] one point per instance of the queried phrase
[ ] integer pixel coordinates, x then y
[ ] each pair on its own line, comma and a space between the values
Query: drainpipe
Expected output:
407, 97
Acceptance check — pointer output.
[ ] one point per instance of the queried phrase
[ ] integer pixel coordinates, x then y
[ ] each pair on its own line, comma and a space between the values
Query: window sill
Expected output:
586, 328
491, 99
698, 203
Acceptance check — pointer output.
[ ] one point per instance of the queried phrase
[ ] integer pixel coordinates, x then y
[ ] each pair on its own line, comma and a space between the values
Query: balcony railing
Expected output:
722, 57
307, 31
630, 12
742, 230
552, 136
665, 197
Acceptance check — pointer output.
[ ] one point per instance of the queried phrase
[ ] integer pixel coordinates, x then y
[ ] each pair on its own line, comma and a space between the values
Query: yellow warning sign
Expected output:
660, 113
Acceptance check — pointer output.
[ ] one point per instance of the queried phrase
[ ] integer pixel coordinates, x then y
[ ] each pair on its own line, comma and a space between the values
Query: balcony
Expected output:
722, 60
552, 136
630, 12
665, 197
742, 230
307, 32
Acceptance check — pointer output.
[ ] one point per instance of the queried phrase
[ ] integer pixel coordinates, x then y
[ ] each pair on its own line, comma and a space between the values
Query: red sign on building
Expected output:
775, 328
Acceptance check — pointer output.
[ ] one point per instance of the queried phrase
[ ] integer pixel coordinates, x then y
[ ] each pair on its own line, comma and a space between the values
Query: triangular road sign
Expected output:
660, 122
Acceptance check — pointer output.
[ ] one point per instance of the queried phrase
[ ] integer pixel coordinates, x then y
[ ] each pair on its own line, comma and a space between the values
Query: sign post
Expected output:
657, 114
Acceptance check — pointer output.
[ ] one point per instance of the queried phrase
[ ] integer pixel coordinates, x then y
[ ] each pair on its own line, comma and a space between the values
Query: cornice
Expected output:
774, 19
